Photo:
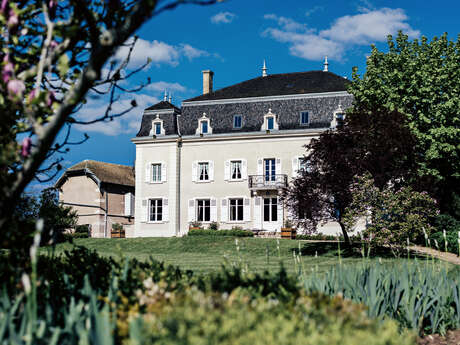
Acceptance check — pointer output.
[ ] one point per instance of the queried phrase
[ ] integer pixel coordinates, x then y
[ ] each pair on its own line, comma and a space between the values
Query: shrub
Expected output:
117, 227
213, 226
236, 233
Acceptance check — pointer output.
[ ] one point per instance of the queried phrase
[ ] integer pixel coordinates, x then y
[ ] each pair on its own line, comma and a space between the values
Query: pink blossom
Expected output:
4, 6
32, 95
7, 72
26, 147
53, 44
16, 87
13, 20
50, 98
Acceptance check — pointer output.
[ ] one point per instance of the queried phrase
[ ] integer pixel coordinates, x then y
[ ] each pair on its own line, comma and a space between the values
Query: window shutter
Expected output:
224, 210
258, 213
213, 210
163, 172
247, 210
165, 210
144, 213
278, 166
244, 169
279, 208
211, 170
227, 171
295, 167
128, 204
148, 170
191, 210
194, 171
260, 168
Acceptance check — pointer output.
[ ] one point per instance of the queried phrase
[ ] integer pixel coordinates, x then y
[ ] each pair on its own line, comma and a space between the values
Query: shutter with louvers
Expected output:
213, 210
163, 172
260, 168
227, 170
211, 170
247, 210
224, 210
148, 169
165, 210
258, 213
278, 166
191, 210
295, 166
244, 169
194, 171
128, 205
144, 208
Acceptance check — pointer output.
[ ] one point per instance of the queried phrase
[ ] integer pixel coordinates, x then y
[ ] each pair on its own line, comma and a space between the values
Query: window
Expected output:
203, 171
270, 122
270, 209
270, 169
237, 121
303, 164
235, 167
304, 117
340, 117
157, 128
236, 210
204, 127
156, 172
156, 210
203, 212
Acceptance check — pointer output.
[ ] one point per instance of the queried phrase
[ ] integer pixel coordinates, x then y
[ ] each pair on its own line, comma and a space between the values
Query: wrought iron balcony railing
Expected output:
267, 181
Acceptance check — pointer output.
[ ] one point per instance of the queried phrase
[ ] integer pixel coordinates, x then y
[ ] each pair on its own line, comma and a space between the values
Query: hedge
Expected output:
236, 233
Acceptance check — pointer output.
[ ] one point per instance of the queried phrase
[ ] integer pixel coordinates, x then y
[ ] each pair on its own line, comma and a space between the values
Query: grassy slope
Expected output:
209, 253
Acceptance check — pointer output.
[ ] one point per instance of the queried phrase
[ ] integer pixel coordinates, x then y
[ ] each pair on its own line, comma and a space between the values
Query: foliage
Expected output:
117, 227
447, 233
196, 224
419, 79
392, 217
424, 298
233, 232
213, 226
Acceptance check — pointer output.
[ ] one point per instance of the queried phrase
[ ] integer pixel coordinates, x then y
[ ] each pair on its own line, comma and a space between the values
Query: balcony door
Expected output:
270, 169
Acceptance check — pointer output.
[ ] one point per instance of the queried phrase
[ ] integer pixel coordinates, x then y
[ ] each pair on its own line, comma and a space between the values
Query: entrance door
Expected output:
270, 214
269, 170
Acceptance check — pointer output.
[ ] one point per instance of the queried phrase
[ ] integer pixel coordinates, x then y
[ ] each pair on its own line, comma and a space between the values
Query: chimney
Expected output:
207, 81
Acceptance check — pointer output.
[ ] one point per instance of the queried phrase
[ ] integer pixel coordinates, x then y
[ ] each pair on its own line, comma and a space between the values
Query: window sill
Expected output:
237, 180
156, 182
207, 181
160, 222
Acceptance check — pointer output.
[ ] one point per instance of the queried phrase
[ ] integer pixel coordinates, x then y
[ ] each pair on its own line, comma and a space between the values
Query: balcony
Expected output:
267, 182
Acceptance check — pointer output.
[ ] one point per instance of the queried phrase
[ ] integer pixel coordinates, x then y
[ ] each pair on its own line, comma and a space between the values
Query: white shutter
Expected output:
247, 210
144, 209
258, 213
211, 170
244, 169
128, 204
165, 210
278, 166
194, 171
148, 171
191, 210
213, 210
295, 166
280, 211
224, 210
227, 170
260, 168
163, 172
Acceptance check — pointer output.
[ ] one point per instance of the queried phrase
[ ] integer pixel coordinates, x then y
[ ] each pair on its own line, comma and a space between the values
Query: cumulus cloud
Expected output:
161, 86
361, 29
223, 18
191, 52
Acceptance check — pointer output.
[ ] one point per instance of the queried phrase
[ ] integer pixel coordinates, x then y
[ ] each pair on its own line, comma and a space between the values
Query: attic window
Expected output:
338, 117
270, 122
204, 126
237, 121
157, 127
304, 117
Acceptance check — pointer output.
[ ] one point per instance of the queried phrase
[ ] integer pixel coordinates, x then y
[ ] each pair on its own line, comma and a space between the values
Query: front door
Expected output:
270, 214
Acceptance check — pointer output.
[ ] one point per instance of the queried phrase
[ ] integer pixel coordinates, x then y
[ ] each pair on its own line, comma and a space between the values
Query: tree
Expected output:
53, 53
420, 80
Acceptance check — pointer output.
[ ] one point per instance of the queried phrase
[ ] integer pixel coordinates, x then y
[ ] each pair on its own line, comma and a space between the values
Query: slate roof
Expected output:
169, 119
280, 84
163, 105
105, 172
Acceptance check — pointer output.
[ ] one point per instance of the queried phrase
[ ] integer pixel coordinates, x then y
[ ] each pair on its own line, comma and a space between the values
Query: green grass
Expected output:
205, 254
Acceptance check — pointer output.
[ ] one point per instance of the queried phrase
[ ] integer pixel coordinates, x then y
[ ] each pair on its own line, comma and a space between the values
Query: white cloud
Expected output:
191, 52
312, 10
361, 29
223, 18
161, 86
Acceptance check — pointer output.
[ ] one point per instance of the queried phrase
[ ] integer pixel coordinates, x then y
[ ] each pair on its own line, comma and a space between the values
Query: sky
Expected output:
233, 38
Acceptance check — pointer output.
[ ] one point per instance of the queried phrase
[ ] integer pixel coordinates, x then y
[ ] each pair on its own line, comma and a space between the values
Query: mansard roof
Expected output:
163, 105
280, 84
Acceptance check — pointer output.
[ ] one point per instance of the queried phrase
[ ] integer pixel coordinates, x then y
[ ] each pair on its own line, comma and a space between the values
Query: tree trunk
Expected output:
345, 235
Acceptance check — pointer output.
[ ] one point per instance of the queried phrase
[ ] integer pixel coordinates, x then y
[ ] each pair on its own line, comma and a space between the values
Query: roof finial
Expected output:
264, 70
170, 98
326, 65
165, 98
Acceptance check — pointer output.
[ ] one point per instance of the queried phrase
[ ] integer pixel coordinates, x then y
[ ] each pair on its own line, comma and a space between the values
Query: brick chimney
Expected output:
207, 81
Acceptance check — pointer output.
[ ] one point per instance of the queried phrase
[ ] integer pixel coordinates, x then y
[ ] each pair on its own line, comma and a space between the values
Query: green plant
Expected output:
117, 227
196, 224
237, 228
237, 233
213, 226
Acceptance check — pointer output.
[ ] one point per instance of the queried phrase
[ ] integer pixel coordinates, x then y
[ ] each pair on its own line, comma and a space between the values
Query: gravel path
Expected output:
449, 257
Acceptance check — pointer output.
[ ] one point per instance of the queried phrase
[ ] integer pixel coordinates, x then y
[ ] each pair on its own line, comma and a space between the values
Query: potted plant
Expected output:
288, 230
195, 225
213, 226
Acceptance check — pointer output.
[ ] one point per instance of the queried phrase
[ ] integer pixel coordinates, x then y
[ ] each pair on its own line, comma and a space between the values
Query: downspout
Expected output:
178, 176
106, 212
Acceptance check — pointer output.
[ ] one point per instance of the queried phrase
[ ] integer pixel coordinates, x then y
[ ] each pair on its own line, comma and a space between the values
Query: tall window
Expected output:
270, 122
235, 167
156, 210
157, 128
270, 169
304, 117
340, 118
156, 172
237, 121
203, 171
203, 212
270, 209
236, 209
204, 127
303, 164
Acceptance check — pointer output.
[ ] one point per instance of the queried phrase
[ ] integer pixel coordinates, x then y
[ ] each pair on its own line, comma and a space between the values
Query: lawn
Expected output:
205, 254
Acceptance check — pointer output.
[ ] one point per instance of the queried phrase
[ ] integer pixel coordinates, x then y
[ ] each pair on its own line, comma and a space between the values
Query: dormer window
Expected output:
157, 127
204, 126
237, 121
338, 117
304, 118
270, 122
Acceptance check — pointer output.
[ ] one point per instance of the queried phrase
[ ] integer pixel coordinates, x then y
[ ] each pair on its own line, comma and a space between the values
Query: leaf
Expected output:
63, 65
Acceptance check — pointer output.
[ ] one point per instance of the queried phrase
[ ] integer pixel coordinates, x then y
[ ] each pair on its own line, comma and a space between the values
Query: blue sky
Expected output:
234, 37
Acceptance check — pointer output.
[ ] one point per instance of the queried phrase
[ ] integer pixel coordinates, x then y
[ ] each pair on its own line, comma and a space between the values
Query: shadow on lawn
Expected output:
331, 249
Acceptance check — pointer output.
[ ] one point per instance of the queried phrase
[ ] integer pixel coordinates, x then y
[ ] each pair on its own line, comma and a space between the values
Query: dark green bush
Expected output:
451, 226
236, 233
